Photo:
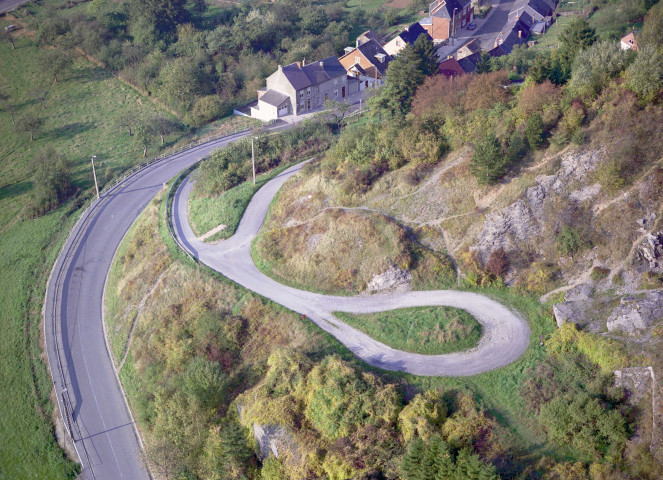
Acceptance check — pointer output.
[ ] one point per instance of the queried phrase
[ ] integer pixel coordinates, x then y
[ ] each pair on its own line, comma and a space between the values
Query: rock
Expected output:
313, 241
635, 314
579, 292
570, 312
273, 439
641, 221
394, 277
637, 381
585, 193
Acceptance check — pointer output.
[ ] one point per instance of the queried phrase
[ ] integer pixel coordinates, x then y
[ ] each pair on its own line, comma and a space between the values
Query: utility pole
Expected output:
94, 173
253, 160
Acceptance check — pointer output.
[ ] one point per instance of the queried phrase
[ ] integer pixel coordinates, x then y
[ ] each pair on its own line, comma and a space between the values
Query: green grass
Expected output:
550, 39
207, 213
79, 121
426, 330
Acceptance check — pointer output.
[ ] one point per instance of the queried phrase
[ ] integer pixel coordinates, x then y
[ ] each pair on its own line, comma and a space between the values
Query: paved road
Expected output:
7, 5
505, 337
79, 361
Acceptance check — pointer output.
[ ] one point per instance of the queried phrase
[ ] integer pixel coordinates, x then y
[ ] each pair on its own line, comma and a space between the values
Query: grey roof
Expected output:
324, 70
447, 8
411, 33
296, 76
274, 98
426, 21
357, 67
540, 7
314, 73
372, 48
469, 63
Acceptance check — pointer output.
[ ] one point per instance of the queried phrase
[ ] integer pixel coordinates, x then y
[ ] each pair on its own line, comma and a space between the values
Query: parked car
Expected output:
471, 26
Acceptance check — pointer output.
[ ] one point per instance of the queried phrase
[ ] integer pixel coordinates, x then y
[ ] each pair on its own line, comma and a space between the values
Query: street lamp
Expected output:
453, 26
94, 174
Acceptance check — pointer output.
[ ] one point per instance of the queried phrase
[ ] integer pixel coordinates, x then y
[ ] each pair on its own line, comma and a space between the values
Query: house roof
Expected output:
445, 8
314, 73
630, 40
356, 67
498, 51
450, 67
426, 21
372, 48
273, 97
412, 32
542, 7
469, 63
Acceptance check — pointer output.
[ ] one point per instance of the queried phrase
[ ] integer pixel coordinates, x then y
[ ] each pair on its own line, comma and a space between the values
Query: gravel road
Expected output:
505, 334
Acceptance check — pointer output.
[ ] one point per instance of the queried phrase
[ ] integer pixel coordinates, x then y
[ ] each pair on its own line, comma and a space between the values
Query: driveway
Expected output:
505, 334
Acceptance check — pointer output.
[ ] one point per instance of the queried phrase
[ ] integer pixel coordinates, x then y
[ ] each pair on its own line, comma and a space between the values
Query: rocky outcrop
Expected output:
652, 249
636, 313
393, 278
637, 381
524, 219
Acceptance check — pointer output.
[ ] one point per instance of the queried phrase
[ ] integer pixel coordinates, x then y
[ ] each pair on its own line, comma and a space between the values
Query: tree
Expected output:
41, 93
5, 103
652, 28
205, 381
5, 35
182, 81
427, 54
577, 36
596, 65
313, 20
29, 123
51, 181
413, 464
488, 163
143, 138
164, 15
127, 119
163, 126
534, 131
423, 416
645, 75
334, 111
54, 61
484, 65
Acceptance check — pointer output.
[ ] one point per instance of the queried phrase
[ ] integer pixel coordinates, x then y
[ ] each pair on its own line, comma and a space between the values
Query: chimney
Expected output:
520, 34
299, 64
322, 64
303, 61
280, 67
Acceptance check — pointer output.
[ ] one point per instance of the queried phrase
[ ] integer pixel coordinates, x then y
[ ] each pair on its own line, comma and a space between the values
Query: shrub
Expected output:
539, 278
599, 273
534, 131
595, 66
207, 109
517, 148
423, 416
488, 163
570, 241
645, 75
498, 263
51, 182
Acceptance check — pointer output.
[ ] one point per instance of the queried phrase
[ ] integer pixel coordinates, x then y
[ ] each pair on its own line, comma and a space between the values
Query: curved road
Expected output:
85, 382
505, 334
86, 386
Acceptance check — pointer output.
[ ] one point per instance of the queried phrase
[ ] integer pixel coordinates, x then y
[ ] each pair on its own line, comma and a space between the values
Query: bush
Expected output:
51, 182
488, 163
207, 109
645, 75
534, 131
570, 241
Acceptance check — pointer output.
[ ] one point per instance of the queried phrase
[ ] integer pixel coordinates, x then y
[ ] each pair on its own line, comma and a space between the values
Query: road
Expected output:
79, 361
505, 334
7, 5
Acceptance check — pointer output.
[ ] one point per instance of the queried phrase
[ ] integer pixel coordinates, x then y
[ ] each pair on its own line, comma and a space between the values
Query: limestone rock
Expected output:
273, 439
394, 277
579, 292
635, 313
570, 312
637, 381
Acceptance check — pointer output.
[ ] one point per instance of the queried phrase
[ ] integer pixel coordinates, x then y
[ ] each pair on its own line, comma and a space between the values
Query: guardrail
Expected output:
170, 153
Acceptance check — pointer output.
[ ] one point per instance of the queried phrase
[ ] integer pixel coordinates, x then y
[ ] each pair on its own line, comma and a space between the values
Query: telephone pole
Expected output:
253, 160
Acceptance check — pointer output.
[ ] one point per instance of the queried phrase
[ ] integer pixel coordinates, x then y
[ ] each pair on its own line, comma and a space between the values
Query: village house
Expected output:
538, 10
629, 42
473, 46
446, 17
405, 38
300, 88
367, 62
515, 33
452, 67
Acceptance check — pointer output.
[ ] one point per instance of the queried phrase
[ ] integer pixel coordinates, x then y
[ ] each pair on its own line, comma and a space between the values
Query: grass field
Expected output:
426, 330
79, 121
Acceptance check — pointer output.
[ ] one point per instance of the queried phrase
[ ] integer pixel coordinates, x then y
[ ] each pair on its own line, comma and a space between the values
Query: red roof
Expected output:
630, 41
450, 68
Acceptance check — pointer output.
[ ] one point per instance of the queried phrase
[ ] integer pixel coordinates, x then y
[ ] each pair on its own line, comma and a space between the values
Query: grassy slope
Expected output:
426, 330
79, 116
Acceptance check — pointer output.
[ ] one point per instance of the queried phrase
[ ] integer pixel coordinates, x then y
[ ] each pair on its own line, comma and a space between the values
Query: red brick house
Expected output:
446, 17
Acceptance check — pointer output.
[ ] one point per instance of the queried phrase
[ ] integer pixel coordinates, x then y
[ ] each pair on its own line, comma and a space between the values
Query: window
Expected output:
335, 93
301, 94
308, 91
357, 59
398, 43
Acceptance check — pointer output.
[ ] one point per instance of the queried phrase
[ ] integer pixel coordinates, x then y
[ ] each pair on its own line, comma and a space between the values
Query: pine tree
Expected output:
440, 458
413, 464
488, 164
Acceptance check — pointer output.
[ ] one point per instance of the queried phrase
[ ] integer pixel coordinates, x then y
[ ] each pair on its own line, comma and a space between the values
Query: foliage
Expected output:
52, 181
652, 28
423, 416
645, 75
484, 64
596, 65
534, 131
489, 164
577, 36
54, 61
570, 241
29, 123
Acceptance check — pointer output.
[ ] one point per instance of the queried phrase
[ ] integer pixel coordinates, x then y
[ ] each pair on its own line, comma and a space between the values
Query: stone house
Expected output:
300, 88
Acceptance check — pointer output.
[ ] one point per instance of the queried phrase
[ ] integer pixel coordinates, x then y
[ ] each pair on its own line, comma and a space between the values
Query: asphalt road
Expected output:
104, 432
505, 334
6, 5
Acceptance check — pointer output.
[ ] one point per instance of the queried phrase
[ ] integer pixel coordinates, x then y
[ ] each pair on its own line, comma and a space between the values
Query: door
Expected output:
343, 92
308, 104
